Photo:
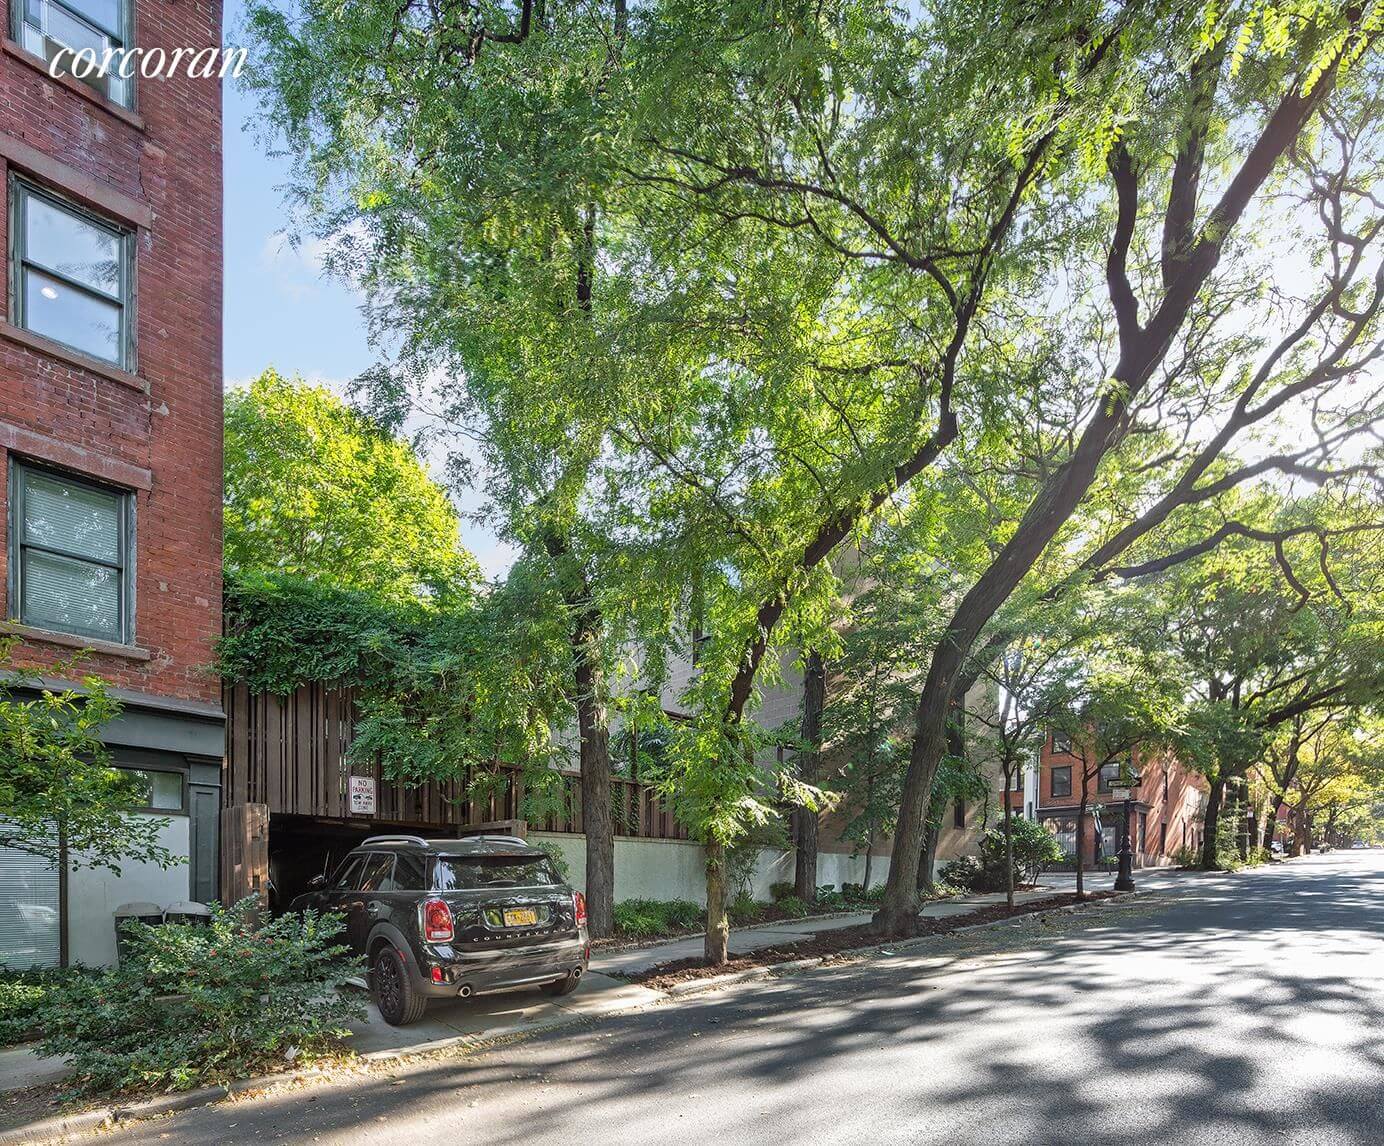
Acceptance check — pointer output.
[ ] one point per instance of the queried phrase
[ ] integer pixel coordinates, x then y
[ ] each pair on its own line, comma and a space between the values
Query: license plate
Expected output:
520, 916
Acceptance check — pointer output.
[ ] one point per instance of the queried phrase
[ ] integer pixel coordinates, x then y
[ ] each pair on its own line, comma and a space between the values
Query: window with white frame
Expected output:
45, 27
71, 275
70, 555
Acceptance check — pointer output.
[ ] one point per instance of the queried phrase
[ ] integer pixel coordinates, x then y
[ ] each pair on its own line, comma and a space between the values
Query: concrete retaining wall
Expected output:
676, 869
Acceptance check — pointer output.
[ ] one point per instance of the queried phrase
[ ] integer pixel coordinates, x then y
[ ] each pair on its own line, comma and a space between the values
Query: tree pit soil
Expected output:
845, 940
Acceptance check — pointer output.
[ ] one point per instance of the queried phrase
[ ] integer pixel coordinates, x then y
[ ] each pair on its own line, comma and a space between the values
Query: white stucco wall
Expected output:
94, 894
676, 869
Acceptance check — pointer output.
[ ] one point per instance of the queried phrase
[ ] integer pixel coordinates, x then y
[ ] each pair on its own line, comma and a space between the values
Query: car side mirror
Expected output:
317, 882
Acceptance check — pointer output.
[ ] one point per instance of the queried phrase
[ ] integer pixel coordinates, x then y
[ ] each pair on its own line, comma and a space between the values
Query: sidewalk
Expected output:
493, 1016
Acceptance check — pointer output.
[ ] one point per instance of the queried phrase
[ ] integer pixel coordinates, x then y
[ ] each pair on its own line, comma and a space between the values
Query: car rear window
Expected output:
465, 873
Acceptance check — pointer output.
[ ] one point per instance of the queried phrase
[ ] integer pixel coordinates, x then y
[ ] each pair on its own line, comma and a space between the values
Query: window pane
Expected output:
162, 790
346, 873
76, 518
71, 596
64, 314
408, 873
454, 873
68, 244
103, 13
30, 932
377, 872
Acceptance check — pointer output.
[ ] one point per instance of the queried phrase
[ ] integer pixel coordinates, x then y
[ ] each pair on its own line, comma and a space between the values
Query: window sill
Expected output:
83, 362
72, 641
19, 52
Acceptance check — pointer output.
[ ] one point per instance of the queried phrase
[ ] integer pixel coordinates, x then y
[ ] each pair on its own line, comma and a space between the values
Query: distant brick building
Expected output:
110, 425
1167, 806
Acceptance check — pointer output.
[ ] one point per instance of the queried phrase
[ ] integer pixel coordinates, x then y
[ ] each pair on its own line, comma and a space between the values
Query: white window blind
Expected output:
30, 924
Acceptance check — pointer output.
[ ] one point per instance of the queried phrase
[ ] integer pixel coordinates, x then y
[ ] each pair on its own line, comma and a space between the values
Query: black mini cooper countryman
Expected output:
447, 919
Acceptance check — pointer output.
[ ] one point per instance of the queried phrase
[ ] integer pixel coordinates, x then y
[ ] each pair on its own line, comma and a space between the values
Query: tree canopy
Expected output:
313, 489
724, 284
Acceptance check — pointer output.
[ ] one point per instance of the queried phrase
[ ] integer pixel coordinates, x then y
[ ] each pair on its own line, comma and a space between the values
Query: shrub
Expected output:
195, 1004
873, 894
853, 891
1035, 850
792, 906
744, 909
964, 873
22, 995
644, 918
1187, 857
829, 899
779, 891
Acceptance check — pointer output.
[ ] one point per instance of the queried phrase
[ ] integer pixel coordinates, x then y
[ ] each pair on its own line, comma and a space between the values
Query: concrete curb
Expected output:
61, 1127
714, 982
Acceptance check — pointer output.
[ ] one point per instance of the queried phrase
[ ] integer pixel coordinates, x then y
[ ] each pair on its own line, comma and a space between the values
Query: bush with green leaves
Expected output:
779, 891
22, 995
964, 873
794, 907
1187, 858
745, 909
1035, 850
646, 918
193, 1004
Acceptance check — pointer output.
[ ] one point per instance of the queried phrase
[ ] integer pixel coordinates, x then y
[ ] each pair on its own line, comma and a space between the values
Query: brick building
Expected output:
1167, 805
110, 427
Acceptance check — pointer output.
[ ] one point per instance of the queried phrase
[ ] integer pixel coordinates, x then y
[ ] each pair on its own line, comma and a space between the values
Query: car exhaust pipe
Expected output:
464, 991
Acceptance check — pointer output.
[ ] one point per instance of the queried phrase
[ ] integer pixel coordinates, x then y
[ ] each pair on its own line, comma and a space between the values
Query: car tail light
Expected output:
579, 906
437, 921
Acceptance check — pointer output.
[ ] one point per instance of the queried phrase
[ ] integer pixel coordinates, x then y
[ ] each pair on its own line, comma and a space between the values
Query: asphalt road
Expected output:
1241, 1009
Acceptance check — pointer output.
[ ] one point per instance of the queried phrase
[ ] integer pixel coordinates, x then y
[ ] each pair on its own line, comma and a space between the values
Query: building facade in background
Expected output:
1167, 807
110, 428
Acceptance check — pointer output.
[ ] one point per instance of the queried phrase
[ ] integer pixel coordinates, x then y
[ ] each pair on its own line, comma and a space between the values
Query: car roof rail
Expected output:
395, 839
502, 840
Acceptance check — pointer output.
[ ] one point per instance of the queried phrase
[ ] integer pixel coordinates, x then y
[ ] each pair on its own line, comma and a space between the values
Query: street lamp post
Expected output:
1124, 881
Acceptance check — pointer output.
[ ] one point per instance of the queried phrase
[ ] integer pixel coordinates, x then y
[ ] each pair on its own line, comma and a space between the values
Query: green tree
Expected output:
758, 320
61, 799
315, 490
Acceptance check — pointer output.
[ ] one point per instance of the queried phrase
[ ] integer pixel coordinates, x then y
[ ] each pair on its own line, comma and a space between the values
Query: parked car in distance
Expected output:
447, 919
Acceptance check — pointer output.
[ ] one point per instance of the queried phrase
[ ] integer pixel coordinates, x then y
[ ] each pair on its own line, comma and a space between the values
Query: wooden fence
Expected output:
291, 754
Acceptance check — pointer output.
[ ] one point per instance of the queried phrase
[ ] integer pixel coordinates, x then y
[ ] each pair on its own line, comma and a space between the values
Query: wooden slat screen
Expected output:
290, 754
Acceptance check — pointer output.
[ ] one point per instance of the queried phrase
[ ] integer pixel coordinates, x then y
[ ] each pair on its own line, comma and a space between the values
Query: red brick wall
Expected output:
1168, 793
167, 158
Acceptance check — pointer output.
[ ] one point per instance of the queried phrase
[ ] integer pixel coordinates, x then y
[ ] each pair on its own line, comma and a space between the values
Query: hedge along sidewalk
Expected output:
634, 960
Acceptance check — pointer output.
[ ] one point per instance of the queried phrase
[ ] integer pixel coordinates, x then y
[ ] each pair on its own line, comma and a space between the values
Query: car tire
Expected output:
392, 988
564, 986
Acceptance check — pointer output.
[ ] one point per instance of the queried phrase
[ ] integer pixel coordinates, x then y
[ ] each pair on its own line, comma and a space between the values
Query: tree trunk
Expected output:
1080, 852
596, 819
1215, 798
717, 945
1270, 822
809, 762
927, 862
1241, 813
594, 730
869, 858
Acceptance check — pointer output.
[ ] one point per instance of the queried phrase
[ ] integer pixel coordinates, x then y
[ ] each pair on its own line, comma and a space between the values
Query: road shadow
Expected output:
1247, 1009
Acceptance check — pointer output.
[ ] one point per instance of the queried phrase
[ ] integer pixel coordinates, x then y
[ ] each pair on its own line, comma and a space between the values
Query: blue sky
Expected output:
279, 310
